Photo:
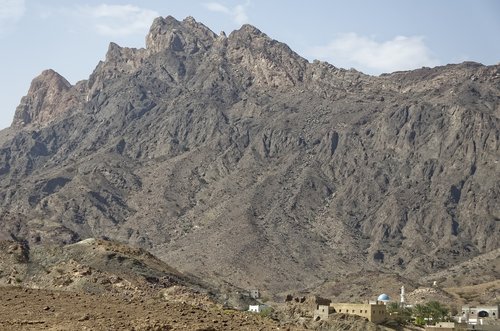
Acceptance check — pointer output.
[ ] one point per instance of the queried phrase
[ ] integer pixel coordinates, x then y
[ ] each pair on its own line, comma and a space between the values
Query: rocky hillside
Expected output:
104, 267
237, 160
94, 266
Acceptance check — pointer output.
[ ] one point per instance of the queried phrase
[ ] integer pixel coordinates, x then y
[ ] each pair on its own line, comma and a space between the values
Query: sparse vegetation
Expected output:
431, 312
266, 312
402, 315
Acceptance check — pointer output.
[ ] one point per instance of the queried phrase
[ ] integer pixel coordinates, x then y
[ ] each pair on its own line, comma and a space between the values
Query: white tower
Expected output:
402, 295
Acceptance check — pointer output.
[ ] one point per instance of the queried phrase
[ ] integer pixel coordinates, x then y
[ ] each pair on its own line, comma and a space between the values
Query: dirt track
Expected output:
27, 309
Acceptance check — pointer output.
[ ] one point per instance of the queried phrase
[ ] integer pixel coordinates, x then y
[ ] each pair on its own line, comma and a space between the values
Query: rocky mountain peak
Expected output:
123, 59
187, 36
270, 62
244, 152
249, 36
49, 95
249, 31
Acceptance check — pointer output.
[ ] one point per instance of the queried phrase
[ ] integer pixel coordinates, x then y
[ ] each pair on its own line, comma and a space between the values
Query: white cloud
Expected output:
238, 14
118, 20
10, 12
364, 53
217, 7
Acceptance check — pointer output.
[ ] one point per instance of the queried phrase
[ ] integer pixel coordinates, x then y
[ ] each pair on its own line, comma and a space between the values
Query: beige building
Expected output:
322, 312
374, 312
446, 326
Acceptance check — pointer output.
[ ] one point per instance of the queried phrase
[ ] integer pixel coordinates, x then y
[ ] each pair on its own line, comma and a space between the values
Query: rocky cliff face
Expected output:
233, 158
49, 96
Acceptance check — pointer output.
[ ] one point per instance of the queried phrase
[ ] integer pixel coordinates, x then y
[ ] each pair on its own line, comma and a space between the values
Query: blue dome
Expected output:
383, 297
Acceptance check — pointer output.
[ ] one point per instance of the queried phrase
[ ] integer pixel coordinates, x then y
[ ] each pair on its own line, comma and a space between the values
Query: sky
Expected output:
371, 36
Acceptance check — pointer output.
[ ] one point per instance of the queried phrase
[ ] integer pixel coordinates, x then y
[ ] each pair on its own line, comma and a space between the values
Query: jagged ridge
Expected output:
234, 158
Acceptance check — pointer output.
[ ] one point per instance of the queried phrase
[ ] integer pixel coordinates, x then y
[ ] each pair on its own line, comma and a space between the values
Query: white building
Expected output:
255, 308
383, 298
476, 314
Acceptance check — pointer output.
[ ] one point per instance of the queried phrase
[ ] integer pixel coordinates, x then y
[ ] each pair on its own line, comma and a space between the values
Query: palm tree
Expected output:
393, 307
432, 311
422, 314
438, 312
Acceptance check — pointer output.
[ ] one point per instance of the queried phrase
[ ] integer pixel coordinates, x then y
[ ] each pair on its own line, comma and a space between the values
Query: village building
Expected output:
254, 294
383, 298
322, 312
454, 326
256, 308
374, 312
446, 326
478, 314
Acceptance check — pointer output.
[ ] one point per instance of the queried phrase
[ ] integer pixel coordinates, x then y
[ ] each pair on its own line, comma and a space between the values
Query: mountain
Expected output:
234, 159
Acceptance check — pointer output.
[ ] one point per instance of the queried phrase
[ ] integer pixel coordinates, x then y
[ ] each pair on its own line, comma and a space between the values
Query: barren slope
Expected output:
29, 309
235, 159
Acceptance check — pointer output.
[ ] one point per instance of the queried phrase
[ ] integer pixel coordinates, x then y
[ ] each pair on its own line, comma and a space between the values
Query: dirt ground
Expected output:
29, 309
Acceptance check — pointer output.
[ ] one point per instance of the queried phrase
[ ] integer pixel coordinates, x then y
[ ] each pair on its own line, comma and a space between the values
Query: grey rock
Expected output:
237, 160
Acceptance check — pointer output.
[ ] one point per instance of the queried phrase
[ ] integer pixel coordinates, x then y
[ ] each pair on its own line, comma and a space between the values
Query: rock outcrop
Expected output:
49, 96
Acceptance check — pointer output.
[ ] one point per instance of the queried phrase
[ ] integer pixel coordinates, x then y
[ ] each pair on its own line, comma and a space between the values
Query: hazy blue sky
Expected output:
372, 36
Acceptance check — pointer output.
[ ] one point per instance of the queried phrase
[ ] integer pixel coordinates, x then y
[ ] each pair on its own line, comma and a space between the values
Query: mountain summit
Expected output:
48, 96
235, 159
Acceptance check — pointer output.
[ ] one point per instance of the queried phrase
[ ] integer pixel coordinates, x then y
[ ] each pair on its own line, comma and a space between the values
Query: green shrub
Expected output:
266, 312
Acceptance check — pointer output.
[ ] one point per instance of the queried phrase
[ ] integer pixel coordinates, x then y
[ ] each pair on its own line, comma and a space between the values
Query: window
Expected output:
340, 310
366, 311
360, 311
